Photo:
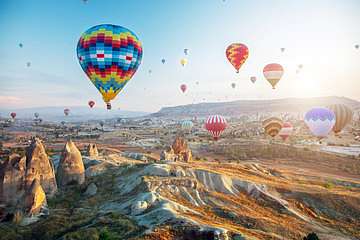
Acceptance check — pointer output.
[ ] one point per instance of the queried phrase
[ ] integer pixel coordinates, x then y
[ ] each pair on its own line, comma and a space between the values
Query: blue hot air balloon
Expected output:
320, 121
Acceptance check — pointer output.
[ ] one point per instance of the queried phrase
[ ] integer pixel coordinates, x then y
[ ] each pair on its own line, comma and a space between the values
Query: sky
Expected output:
320, 35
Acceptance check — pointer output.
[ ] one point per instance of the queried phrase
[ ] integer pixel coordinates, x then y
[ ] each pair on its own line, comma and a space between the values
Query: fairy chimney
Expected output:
35, 198
71, 167
92, 150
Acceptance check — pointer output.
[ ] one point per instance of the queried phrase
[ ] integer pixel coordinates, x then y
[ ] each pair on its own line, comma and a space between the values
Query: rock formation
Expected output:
92, 150
179, 151
35, 198
71, 167
38, 166
12, 174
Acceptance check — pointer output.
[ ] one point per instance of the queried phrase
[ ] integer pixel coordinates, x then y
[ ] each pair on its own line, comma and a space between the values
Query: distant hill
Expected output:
236, 108
76, 113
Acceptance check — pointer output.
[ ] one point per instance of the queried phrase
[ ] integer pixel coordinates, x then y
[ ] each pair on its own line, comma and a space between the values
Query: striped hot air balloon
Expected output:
273, 73
272, 126
343, 115
215, 125
286, 130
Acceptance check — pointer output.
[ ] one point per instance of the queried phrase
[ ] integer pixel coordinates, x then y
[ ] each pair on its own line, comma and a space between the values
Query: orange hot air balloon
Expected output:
91, 103
13, 115
183, 87
237, 53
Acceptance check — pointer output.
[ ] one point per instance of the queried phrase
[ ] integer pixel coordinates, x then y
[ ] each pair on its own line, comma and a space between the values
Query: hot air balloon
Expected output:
300, 66
237, 53
320, 121
36, 115
163, 61
286, 130
272, 126
13, 115
357, 46
63, 123
21, 45
183, 88
28, 64
282, 49
91, 103
187, 125
186, 51
150, 71
343, 115
233, 85
215, 125
273, 73
183, 62
197, 83
110, 56
66, 111
253, 79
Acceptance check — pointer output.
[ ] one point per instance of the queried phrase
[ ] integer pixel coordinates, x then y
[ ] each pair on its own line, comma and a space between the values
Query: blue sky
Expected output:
318, 34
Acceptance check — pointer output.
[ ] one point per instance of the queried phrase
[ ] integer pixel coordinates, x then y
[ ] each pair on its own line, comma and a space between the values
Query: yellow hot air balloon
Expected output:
183, 62
343, 115
272, 126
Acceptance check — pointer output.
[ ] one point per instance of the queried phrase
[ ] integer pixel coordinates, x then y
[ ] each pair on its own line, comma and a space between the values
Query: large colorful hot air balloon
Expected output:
66, 111
110, 56
272, 126
183, 88
343, 115
273, 73
215, 125
13, 115
253, 79
187, 125
91, 103
320, 121
286, 130
237, 53
183, 62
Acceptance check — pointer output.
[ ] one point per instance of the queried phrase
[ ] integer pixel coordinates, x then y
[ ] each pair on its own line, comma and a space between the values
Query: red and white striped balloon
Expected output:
273, 73
286, 130
215, 125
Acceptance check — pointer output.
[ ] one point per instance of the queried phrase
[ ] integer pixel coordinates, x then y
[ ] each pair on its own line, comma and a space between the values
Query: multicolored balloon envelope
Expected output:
237, 53
187, 125
286, 130
215, 125
343, 115
272, 126
110, 56
66, 111
91, 103
320, 121
273, 73
13, 115
183, 88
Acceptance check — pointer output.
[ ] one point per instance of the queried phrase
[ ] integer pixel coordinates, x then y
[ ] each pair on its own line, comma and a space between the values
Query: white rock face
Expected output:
138, 207
160, 170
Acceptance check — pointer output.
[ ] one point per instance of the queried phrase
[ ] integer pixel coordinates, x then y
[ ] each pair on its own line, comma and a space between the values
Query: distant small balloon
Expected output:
36, 115
163, 61
150, 71
91, 103
357, 46
197, 83
66, 111
13, 115
28, 64
233, 85
186, 51
21, 45
183, 87
282, 49
253, 79
183, 62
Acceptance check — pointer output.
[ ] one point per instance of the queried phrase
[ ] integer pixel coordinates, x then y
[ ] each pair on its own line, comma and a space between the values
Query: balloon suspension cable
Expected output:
108, 105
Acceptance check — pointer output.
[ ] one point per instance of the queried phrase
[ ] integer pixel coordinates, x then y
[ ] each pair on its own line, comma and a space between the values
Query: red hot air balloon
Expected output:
66, 111
91, 103
237, 53
215, 125
13, 115
273, 73
183, 87
286, 130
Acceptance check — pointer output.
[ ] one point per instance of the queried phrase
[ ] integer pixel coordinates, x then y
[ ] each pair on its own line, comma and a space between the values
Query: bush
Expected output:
105, 234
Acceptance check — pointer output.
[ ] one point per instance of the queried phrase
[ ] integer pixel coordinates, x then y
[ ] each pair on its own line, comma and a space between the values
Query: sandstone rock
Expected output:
12, 175
38, 166
35, 198
91, 190
179, 151
92, 150
71, 167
